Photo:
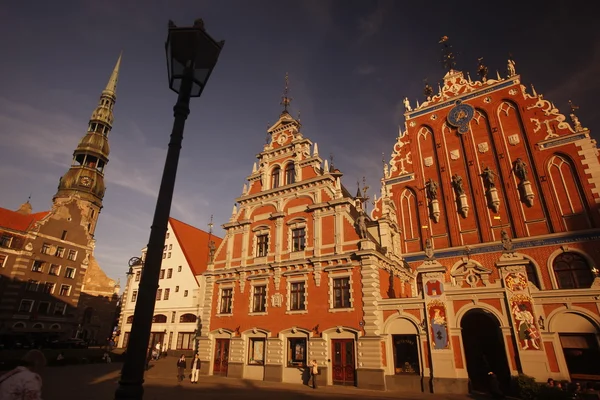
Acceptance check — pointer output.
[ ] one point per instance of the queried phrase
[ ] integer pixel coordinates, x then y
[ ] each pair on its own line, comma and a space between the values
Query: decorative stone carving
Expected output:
361, 224
29, 246
514, 140
454, 154
483, 147
434, 206
429, 249
507, 244
277, 278
428, 161
277, 300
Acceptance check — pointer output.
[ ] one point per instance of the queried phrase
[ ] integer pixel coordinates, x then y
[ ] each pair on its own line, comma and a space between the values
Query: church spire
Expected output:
84, 181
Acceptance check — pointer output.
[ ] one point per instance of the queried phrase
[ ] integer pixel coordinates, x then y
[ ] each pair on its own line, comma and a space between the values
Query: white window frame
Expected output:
32, 302
53, 287
134, 295
289, 282
260, 231
60, 290
69, 269
221, 288
253, 284
57, 306
332, 277
50, 268
292, 225
31, 283
69, 255
3, 263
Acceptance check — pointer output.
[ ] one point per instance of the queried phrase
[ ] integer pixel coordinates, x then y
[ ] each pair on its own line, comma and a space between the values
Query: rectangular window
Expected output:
170, 246
256, 352
259, 301
5, 241
48, 287
176, 289
297, 294
341, 293
45, 248
32, 285
65, 290
185, 293
26, 306
54, 270
185, 341
38, 266
70, 273
134, 296
406, 354
72, 255
168, 234
167, 293
179, 268
296, 356
169, 273
43, 308
60, 308
262, 245
2, 260
137, 275
162, 274
63, 236
60, 252
173, 314
226, 300
169, 255
158, 294
164, 255
298, 239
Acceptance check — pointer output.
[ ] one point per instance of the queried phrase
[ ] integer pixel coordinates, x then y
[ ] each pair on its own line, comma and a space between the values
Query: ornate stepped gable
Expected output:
483, 156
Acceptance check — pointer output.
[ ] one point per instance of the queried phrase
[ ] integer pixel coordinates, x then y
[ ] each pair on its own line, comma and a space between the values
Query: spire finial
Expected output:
285, 99
331, 166
111, 86
576, 124
448, 60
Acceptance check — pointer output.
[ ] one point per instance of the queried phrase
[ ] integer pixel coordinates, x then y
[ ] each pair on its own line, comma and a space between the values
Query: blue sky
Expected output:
350, 65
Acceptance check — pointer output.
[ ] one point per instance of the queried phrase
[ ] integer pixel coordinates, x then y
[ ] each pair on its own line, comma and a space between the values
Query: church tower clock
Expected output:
84, 181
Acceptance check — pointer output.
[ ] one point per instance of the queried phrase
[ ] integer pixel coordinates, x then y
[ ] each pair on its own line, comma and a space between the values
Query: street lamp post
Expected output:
191, 56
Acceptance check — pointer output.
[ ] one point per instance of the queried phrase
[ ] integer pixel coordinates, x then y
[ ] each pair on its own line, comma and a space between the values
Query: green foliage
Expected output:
525, 387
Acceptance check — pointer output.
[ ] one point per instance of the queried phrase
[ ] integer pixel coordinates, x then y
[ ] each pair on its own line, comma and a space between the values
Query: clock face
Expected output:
460, 115
85, 181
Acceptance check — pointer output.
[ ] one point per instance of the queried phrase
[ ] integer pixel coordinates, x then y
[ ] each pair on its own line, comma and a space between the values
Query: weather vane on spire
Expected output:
285, 100
211, 243
447, 53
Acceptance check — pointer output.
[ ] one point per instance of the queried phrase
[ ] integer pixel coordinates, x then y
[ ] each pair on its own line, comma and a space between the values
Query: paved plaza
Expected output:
98, 381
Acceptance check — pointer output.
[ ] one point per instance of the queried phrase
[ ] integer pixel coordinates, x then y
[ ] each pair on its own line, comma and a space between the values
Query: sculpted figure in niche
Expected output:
457, 184
361, 222
488, 178
511, 67
431, 188
407, 106
211, 251
520, 169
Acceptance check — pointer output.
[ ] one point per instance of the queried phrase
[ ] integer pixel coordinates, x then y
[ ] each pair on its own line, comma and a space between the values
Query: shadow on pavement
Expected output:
99, 381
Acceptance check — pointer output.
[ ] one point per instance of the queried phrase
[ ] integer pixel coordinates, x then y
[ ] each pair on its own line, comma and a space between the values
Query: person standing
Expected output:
24, 382
181, 365
314, 371
195, 368
157, 350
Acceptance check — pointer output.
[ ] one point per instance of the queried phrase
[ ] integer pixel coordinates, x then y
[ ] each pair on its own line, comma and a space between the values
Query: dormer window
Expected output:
290, 174
275, 177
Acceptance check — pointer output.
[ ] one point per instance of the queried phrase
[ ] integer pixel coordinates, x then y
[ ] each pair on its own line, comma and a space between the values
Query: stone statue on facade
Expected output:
407, 106
511, 67
488, 177
431, 188
211, 251
457, 184
507, 244
520, 169
482, 70
361, 222
429, 249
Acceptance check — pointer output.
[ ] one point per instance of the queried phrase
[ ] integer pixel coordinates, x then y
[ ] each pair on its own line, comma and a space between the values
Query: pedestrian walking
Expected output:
24, 382
314, 371
181, 366
195, 368
157, 348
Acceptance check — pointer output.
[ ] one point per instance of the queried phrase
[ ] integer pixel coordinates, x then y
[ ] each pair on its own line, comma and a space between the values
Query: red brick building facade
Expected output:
479, 256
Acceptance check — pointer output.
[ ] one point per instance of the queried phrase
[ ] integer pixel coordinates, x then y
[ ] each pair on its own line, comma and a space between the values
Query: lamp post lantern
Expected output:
191, 56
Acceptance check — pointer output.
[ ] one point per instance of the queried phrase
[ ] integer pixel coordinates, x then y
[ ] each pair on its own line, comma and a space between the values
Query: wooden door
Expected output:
221, 357
343, 366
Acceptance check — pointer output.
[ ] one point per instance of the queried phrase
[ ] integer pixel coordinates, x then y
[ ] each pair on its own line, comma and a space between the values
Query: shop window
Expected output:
185, 341
256, 352
581, 354
406, 354
296, 352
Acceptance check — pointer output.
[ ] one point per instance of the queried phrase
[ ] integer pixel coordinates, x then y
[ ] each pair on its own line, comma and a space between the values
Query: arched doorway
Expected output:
484, 349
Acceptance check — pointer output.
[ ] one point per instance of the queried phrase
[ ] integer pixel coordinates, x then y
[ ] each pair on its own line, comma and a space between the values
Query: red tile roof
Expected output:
19, 222
194, 243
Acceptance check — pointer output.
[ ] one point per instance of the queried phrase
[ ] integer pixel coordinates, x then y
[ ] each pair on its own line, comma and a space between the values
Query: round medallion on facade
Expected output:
460, 116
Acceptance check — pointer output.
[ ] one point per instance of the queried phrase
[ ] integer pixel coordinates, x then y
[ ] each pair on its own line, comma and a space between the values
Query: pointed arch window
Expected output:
290, 174
532, 275
572, 271
275, 177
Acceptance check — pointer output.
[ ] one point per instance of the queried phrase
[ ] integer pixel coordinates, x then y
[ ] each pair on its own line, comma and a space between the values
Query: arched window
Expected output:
19, 325
55, 327
275, 177
572, 271
532, 275
129, 320
87, 315
290, 174
185, 318
159, 319
38, 326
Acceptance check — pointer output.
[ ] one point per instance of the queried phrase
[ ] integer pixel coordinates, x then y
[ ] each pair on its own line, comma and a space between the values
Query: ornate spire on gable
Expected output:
448, 56
285, 99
